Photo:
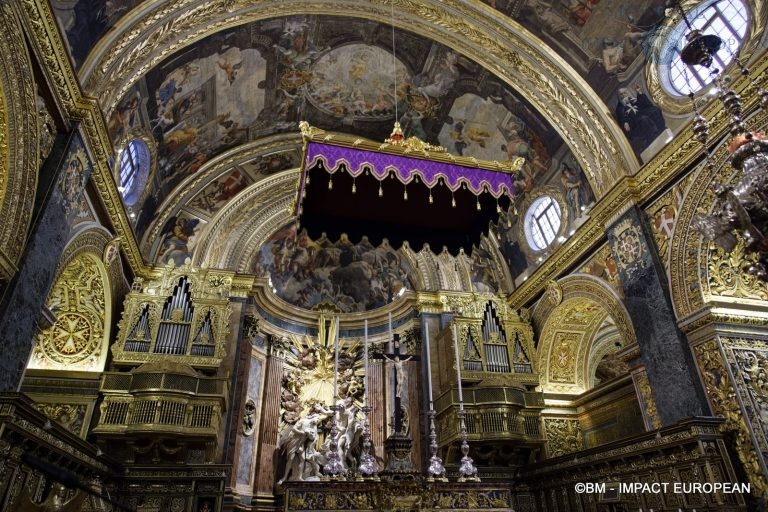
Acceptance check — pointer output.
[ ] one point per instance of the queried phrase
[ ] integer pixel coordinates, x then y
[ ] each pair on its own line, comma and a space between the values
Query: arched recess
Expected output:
473, 29
81, 300
19, 161
579, 322
701, 274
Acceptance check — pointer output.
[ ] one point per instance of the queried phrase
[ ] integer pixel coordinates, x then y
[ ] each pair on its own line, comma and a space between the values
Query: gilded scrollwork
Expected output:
694, 277
19, 153
78, 300
729, 276
69, 416
724, 400
563, 435
647, 402
562, 359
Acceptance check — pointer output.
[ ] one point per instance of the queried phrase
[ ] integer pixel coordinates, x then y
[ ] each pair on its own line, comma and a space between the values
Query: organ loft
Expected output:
383, 255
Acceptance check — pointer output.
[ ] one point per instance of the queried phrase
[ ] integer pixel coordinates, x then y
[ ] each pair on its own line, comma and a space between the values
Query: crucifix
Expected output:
401, 378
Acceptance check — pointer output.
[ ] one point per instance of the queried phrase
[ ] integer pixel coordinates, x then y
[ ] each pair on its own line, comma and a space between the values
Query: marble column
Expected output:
664, 349
268, 456
60, 186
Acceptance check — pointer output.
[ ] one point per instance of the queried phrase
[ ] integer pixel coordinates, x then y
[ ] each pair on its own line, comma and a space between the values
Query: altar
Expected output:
401, 496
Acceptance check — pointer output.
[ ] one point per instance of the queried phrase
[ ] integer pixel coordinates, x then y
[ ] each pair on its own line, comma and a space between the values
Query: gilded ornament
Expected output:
554, 293
650, 412
77, 299
724, 401
563, 436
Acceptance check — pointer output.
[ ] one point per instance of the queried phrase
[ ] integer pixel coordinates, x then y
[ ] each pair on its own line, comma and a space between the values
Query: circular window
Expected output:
542, 222
134, 170
728, 19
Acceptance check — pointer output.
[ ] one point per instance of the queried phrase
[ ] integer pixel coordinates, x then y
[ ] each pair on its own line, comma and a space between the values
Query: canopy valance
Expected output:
401, 190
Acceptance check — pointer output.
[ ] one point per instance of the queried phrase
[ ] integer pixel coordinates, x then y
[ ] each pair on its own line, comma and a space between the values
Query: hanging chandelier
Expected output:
402, 190
740, 211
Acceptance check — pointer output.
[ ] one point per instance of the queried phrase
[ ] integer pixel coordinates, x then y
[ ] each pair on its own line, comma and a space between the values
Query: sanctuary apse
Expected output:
227, 283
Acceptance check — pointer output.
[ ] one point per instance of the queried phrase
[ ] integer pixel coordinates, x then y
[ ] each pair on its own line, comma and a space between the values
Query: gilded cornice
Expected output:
498, 43
44, 34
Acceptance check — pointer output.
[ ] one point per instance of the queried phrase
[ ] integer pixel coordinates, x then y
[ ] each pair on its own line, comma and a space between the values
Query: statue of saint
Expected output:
349, 431
298, 442
400, 375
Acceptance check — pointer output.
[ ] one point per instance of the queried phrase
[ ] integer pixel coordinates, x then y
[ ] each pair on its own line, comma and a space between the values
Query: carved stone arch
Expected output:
700, 273
94, 238
470, 28
418, 276
428, 269
81, 304
567, 324
590, 287
19, 138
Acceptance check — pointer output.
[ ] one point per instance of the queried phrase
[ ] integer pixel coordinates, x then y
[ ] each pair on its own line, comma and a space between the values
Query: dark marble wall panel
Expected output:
664, 349
68, 169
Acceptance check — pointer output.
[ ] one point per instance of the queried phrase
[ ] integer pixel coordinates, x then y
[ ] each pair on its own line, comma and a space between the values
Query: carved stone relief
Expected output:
723, 397
78, 301
563, 436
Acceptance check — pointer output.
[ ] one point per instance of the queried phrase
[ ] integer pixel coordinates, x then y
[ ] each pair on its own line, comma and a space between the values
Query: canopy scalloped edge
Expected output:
358, 155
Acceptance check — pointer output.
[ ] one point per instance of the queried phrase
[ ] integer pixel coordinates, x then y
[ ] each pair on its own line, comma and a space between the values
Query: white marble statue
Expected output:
350, 430
298, 442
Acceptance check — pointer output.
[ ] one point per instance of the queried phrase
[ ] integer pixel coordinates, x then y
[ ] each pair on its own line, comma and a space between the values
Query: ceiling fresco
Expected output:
262, 78
250, 83
84, 22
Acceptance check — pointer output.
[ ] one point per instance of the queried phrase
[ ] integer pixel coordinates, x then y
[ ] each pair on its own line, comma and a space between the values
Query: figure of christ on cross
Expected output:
401, 377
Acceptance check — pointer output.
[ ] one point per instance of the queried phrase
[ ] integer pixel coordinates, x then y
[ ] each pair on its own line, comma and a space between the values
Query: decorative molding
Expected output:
19, 141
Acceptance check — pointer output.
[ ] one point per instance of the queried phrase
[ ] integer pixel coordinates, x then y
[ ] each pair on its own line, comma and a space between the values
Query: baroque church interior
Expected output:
497, 255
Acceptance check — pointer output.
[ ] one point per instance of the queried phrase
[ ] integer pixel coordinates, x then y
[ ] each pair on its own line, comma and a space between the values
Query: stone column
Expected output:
61, 184
267, 465
677, 389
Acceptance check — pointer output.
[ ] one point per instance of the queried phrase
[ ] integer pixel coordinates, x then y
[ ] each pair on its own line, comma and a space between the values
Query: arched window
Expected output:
728, 19
542, 222
134, 170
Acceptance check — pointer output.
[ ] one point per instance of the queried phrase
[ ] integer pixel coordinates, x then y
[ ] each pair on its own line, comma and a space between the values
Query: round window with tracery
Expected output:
134, 170
542, 222
728, 19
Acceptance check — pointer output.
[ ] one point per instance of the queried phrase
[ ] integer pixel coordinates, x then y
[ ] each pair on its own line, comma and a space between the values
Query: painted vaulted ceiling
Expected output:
216, 89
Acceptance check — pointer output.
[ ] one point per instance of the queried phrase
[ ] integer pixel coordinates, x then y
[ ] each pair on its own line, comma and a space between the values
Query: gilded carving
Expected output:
204, 339
647, 402
563, 436
44, 34
728, 274
587, 304
69, 416
725, 403
562, 360
691, 272
554, 293
19, 153
77, 337
663, 214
